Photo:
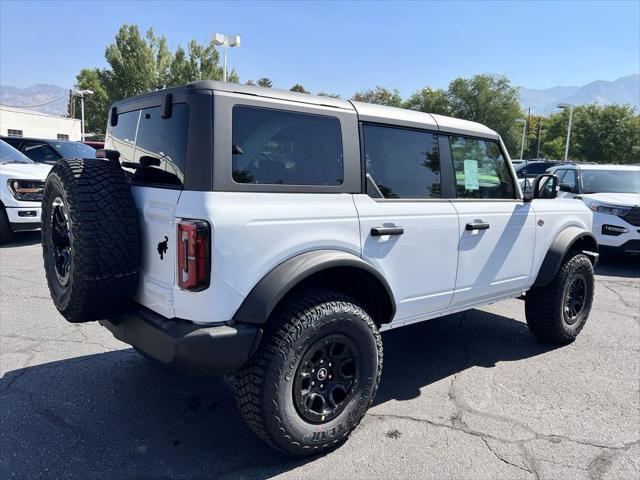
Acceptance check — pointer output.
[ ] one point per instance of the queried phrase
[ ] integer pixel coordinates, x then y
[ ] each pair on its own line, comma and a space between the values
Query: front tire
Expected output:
6, 232
557, 312
314, 375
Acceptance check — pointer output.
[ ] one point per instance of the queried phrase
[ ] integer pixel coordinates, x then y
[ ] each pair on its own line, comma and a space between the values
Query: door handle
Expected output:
380, 231
477, 226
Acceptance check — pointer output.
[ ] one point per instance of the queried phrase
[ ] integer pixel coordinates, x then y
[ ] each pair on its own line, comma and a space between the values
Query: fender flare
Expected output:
559, 249
265, 295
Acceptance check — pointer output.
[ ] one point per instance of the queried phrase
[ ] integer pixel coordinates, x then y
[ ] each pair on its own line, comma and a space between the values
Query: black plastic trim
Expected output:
183, 345
263, 298
558, 251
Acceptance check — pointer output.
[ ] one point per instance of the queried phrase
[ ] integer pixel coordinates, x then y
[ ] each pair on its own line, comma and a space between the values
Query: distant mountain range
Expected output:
42, 98
53, 100
625, 90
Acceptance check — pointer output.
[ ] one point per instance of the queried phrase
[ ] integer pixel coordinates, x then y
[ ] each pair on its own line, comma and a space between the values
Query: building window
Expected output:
62, 136
14, 133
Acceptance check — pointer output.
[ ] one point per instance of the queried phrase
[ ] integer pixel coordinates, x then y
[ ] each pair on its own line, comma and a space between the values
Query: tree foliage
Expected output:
381, 96
430, 101
298, 88
140, 64
265, 82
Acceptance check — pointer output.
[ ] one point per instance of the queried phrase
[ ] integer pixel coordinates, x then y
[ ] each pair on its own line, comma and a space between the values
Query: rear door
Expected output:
152, 152
497, 229
408, 230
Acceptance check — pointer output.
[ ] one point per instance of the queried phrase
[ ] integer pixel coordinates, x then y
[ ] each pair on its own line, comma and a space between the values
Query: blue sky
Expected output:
340, 47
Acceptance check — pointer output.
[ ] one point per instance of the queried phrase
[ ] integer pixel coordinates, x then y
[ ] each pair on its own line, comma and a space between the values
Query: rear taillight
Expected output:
194, 250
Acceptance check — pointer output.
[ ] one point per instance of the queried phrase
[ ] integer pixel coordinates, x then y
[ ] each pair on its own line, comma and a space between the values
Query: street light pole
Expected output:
524, 134
566, 147
81, 94
225, 41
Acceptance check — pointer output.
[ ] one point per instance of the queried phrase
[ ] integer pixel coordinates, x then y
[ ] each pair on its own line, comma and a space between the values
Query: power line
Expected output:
32, 106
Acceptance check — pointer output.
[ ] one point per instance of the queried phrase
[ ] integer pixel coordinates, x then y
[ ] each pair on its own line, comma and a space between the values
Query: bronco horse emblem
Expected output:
163, 247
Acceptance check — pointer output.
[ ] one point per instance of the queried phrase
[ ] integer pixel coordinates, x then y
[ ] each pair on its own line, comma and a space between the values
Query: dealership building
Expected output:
20, 122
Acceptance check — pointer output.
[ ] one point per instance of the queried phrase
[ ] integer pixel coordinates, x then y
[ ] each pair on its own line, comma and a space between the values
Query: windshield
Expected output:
611, 181
74, 149
8, 154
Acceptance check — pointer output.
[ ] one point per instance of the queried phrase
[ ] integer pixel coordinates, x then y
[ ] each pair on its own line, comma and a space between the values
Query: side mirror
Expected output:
108, 154
565, 187
544, 186
149, 161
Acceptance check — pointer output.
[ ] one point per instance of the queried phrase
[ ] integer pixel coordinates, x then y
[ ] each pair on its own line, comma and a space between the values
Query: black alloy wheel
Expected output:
326, 378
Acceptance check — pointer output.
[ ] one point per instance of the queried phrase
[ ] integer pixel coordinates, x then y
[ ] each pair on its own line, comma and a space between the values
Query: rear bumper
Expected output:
178, 343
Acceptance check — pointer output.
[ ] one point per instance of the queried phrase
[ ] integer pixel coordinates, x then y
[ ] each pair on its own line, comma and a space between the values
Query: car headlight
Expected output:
27, 190
612, 209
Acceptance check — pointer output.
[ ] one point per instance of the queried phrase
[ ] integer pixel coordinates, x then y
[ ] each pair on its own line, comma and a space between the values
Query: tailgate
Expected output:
156, 213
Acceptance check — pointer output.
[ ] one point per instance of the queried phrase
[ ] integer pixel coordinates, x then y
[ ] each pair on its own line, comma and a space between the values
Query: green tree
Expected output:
607, 134
331, 95
430, 101
488, 99
298, 88
381, 96
140, 64
265, 82
96, 105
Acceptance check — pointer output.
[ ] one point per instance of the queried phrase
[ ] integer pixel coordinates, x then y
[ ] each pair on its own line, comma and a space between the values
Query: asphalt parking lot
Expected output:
466, 396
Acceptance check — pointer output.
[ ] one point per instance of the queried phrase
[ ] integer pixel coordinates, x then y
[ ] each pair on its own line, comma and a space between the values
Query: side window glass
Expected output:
480, 169
570, 178
285, 148
403, 163
40, 152
122, 137
161, 146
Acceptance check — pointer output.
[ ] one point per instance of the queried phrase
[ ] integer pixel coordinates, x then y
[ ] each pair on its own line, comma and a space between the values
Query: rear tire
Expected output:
6, 232
557, 312
90, 239
318, 336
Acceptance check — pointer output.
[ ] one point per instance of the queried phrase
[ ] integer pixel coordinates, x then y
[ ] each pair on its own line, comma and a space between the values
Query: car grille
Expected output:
633, 217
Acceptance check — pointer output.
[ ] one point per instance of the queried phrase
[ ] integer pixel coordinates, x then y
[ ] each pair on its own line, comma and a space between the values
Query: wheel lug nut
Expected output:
321, 361
321, 385
313, 370
330, 377
313, 383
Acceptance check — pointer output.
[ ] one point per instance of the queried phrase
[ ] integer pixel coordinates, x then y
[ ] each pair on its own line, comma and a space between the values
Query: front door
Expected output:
408, 232
497, 231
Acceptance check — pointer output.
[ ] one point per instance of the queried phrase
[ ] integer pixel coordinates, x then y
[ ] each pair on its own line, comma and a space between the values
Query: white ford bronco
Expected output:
274, 235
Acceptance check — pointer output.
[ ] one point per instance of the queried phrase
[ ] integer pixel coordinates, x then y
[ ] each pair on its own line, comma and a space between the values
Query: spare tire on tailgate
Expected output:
90, 238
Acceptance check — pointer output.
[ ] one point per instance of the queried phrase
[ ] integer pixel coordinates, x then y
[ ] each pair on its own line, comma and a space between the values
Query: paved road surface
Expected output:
466, 396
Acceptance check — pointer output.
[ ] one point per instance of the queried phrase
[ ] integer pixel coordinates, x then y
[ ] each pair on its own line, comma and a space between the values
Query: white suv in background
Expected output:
612, 192
21, 186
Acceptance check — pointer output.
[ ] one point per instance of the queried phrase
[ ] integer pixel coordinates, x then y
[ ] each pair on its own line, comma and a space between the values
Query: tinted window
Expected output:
40, 152
74, 149
122, 137
481, 170
286, 148
403, 163
569, 178
161, 146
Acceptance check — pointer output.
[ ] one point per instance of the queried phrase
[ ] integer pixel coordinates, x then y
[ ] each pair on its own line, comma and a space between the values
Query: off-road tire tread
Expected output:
6, 232
104, 234
542, 304
286, 323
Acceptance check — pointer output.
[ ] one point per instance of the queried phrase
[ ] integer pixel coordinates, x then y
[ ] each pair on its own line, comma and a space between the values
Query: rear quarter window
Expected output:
280, 147
152, 149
